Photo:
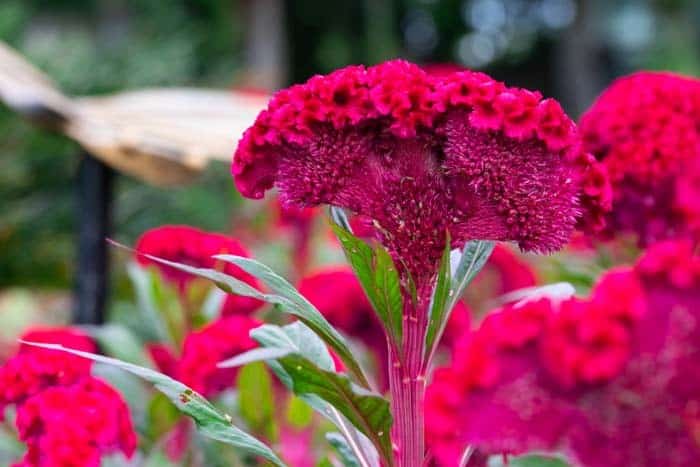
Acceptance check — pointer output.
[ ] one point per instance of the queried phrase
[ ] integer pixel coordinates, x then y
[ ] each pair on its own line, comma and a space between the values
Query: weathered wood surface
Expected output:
161, 136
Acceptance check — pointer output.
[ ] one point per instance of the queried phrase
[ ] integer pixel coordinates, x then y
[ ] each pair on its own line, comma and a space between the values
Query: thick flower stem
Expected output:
407, 382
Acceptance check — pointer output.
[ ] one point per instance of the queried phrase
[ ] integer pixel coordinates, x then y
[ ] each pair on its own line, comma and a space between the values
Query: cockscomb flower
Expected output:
195, 247
645, 130
607, 380
67, 426
420, 155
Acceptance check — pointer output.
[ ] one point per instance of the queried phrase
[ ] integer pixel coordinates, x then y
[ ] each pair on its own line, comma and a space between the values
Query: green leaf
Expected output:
162, 415
347, 457
144, 282
284, 295
528, 460
119, 342
309, 373
379, 278
210, 422
339, 217
438, 306
474, 256
256, 400
367, 411
299, 413
255, 355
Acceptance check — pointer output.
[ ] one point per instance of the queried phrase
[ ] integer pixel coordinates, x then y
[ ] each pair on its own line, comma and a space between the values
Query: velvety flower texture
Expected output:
194, 247
203, 349
610, 380
421, 155
64, 415
645, 129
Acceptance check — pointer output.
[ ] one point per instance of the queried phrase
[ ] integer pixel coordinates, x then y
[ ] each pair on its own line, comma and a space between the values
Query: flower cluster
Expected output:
65, 416
606, 379
421, 155
203, 350
65, 426
194, 247
645, 131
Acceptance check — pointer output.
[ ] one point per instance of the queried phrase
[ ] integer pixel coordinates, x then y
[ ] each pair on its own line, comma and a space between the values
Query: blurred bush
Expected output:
92, 47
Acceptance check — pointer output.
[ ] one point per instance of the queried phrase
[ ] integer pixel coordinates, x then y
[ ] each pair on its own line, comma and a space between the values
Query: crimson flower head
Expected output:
194, 247
611, 380
645, 130
421, 155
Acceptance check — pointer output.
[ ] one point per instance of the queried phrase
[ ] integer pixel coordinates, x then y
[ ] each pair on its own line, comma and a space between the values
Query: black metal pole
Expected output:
93, 215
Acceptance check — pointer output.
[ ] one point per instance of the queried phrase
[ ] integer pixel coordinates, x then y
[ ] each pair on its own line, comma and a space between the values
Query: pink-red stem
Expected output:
407, 383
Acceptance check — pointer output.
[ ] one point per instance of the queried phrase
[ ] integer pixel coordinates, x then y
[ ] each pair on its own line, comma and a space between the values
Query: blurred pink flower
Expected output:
645, 129
194, 247
64, 415
608, 380
67, 426
33, 370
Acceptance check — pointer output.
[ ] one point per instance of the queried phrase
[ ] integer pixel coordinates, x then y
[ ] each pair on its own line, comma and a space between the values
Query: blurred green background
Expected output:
568, 49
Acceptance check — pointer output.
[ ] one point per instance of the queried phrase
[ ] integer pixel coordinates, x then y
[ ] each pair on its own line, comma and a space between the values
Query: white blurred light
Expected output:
557, 14
486, 15
476, 50
633, 27
420, 32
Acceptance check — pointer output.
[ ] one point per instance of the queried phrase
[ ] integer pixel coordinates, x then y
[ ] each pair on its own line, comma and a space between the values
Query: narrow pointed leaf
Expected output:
441, 294
379, 279
347, 457
285, 295
303, 309
388, 284
210, 422
309, 373
474, 256
254, 355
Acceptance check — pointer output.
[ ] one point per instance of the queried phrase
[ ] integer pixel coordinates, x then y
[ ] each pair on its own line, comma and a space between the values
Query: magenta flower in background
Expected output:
645, 130
608, 380
65, 416
67, 426
33, 370
195, 247
421, 155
